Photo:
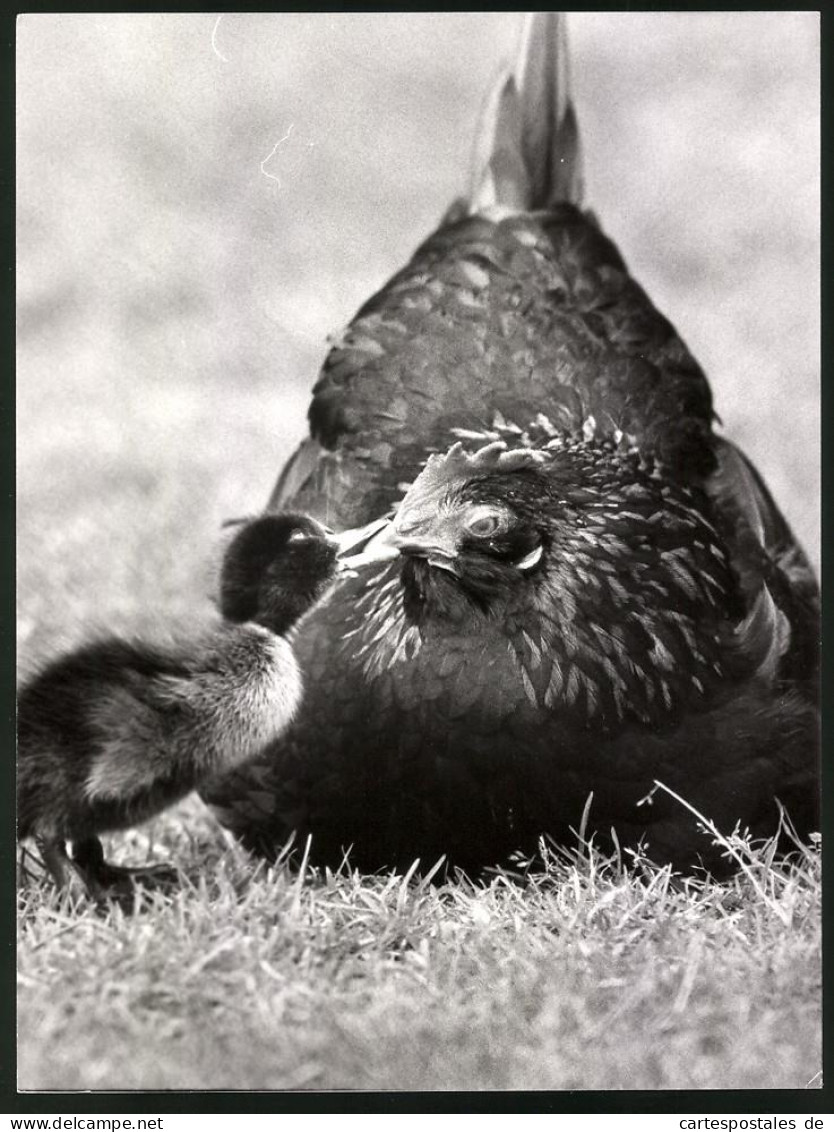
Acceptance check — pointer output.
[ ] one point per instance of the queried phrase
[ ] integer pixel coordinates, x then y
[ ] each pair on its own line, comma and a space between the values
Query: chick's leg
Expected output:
88, 858
54, 855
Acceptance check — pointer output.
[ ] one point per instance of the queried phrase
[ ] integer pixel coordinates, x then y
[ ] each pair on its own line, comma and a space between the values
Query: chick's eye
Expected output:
485, 523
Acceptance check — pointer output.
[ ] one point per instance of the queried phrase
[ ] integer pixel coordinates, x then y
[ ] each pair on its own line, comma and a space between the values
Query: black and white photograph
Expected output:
418, 550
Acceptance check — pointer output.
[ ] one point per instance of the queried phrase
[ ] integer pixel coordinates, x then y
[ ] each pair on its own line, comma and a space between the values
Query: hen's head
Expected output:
470, 529
602, 574
555, 523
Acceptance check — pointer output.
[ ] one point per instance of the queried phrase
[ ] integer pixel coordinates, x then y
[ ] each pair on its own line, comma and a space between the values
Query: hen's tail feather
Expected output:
528, 153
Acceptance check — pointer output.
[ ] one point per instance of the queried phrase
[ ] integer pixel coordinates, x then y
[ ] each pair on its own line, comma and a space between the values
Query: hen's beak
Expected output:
380, 541
360, 546
429, 536
436, 551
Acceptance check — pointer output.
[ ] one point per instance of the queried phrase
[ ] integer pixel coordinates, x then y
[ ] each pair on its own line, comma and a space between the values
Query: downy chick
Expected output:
116, 731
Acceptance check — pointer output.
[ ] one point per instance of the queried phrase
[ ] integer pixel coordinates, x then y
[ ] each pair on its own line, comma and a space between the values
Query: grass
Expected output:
173, 308
583, 976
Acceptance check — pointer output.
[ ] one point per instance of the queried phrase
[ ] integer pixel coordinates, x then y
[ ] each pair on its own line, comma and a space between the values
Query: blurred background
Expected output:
201, 201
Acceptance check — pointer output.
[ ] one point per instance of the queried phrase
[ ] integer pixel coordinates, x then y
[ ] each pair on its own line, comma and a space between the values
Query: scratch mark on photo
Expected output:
214, 46
272, 153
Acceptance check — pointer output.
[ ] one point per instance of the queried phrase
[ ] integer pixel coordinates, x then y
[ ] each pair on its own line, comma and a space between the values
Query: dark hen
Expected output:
584, 590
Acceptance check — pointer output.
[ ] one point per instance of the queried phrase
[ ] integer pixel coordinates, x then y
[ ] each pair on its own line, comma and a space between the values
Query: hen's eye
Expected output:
483, 524
298, 536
